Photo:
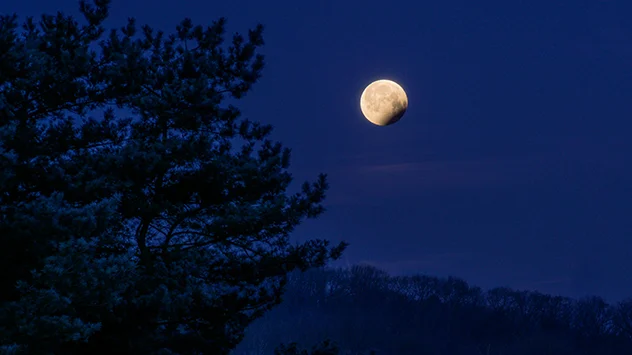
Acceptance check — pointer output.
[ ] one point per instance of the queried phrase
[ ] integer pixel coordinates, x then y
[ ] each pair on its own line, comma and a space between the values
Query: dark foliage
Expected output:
166, 232
363, 309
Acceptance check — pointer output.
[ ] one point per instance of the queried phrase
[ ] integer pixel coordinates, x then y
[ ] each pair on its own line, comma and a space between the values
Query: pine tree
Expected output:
165, 232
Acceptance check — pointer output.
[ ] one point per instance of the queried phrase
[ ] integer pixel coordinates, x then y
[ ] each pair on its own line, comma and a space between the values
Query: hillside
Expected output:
364, 309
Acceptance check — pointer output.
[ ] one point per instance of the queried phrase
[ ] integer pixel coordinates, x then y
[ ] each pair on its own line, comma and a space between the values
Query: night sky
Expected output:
512, 166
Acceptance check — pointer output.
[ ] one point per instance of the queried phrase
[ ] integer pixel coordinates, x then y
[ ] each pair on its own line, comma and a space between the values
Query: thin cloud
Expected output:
447, 172
365, 182
368, 177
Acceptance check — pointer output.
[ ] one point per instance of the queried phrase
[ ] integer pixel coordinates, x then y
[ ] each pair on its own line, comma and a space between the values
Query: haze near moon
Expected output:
383, 102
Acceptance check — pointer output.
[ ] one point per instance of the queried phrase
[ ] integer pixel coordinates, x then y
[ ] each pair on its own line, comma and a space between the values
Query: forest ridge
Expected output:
364, 309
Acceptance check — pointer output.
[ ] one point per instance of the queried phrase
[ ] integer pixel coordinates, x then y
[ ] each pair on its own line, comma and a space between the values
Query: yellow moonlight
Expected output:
383, 102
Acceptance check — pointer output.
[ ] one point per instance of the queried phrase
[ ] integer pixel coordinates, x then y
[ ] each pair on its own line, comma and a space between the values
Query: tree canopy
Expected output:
364, 310
139, 213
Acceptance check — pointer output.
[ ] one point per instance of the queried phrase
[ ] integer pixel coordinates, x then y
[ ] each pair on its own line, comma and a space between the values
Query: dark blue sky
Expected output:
512, 166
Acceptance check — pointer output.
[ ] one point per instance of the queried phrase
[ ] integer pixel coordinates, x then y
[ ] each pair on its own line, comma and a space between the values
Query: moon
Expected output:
383, 102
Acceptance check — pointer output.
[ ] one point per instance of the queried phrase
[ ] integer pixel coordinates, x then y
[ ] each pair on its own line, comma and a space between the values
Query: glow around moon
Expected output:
383, 102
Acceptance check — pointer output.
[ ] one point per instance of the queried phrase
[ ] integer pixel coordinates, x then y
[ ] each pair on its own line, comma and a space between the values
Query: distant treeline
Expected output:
363, 309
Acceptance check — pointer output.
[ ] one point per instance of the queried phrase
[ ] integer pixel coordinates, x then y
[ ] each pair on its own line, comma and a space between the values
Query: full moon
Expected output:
383, 102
